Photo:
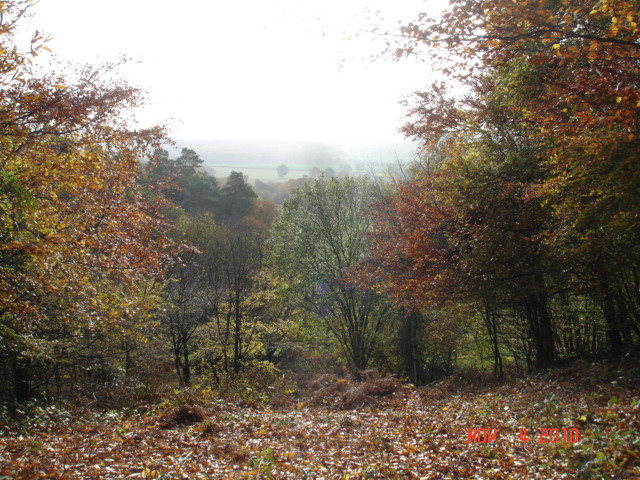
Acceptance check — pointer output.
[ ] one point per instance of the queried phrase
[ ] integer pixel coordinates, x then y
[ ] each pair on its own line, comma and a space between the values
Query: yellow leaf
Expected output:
410, 449
619, 99
556, 46
583, 418
593, 12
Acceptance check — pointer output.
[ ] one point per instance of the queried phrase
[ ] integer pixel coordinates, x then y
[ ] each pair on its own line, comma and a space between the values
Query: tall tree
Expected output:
236, 198
73, 217
183, 183
319, 235
220, 302
283, 170
192, 290
561, 80
468, 230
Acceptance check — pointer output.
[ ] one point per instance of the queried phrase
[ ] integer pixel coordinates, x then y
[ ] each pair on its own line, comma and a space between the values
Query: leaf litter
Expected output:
344, 430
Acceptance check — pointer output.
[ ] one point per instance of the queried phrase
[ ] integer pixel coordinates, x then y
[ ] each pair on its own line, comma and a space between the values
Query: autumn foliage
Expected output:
185, 329
80, 239
525, 205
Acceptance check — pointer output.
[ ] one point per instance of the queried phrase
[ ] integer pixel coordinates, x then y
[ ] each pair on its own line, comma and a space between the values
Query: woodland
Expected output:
475, 315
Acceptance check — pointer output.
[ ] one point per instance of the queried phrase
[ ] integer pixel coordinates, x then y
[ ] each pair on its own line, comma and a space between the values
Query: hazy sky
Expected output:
247, 69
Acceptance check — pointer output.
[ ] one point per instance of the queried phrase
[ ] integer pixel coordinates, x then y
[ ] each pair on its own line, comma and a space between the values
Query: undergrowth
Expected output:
335, 427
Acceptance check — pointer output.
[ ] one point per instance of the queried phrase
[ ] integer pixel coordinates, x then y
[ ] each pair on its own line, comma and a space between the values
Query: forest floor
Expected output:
578, 425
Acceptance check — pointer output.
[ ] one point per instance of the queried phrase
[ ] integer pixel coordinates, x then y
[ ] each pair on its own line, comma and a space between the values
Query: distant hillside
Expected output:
258, 159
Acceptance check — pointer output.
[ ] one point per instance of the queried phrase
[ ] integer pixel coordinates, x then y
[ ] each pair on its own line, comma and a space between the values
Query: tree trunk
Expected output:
409, 350
21, 381
491, 322
611, 319
537, 313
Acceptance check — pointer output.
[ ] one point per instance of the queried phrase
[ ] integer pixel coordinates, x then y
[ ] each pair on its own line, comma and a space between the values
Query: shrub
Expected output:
182, 415
329, 390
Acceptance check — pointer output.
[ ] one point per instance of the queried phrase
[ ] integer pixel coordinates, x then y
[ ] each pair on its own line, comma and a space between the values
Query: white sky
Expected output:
247, 69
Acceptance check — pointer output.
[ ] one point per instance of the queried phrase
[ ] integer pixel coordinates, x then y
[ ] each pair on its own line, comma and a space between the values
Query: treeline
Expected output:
113, 256
524, 211
221, 313
514, 243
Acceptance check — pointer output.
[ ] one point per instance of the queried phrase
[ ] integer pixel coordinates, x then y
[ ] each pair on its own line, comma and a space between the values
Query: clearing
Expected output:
578, 425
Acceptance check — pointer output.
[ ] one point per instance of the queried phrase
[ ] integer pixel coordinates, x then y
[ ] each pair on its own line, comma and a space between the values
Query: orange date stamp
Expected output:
546, 435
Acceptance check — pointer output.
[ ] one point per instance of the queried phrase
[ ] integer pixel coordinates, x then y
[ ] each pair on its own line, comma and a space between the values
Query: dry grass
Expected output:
182, 415
342, 394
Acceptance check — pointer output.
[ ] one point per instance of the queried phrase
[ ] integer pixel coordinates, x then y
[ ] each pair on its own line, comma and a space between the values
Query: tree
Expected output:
315, 171
219, 304
283, 170
236, 198
467, 231
191, 292
235, 322
551, 103
74, 218
182, 182
243, 307
319, 235
188, 161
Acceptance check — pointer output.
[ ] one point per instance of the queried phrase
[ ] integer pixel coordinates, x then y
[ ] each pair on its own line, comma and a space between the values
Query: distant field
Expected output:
259, 159
269, 173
